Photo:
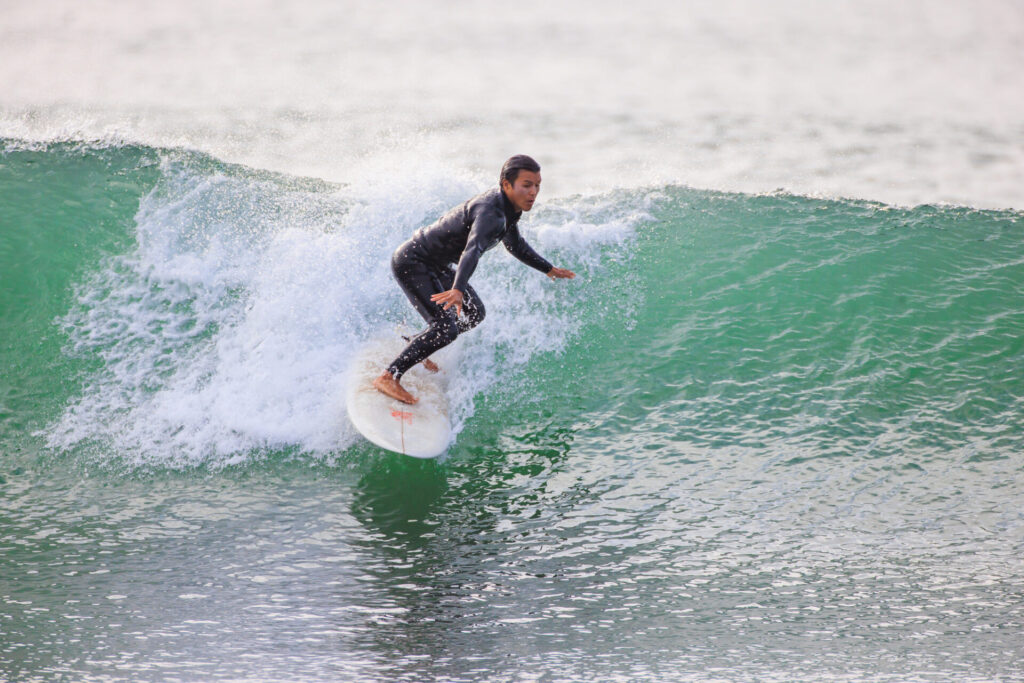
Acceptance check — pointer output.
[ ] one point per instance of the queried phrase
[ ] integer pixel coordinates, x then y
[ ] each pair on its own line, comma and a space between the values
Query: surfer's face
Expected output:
523, 192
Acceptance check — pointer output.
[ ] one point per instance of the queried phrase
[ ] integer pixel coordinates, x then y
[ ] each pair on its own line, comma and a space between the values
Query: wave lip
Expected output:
227, 329
210, 312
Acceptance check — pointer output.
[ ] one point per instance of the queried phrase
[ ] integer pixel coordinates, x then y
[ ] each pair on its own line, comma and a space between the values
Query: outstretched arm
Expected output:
475, 246
454, 297
518, 247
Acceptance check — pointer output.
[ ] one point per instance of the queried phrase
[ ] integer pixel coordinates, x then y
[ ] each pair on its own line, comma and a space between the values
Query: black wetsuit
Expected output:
422, 266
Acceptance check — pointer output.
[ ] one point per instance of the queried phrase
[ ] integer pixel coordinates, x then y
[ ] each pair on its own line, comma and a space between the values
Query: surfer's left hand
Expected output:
560, 274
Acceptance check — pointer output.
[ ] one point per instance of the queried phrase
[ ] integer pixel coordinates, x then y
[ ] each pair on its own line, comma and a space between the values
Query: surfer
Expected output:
422, 266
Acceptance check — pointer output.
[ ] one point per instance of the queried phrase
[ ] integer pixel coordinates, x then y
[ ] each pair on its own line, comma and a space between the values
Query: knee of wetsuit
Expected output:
447, 329
479, 312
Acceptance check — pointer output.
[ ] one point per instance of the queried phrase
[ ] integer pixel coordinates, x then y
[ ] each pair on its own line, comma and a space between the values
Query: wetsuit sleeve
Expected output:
484, 233
518, 247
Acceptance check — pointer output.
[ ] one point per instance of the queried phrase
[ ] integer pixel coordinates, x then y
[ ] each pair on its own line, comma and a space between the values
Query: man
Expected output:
422, 266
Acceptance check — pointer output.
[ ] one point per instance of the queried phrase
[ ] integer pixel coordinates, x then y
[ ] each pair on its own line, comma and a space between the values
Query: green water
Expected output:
62, 212
773, 438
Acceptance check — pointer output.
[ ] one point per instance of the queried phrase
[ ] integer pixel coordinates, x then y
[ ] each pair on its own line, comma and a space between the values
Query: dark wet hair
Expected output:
520, 162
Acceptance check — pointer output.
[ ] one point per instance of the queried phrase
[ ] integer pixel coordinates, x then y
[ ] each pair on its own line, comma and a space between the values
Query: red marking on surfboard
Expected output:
402, 415
403, 419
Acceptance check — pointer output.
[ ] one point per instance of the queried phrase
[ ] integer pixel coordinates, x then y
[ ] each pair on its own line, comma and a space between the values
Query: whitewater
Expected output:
772, 431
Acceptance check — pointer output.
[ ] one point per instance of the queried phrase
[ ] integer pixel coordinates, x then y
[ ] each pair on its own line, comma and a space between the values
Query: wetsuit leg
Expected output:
473, 310
419, 281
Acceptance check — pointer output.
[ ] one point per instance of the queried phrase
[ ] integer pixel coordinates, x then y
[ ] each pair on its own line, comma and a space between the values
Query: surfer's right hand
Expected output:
452, 297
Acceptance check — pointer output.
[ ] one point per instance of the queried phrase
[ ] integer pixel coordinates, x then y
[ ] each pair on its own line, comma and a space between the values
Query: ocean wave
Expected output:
216, 318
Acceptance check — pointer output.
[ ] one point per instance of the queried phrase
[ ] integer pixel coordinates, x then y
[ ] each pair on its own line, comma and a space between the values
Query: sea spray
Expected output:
773, 436
228, 329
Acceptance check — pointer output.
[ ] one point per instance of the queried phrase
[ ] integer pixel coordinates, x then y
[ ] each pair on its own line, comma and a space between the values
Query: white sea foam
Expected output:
230, 328
232, 322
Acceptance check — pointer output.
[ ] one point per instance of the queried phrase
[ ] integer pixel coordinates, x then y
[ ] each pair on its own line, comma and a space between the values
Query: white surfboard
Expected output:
422, 430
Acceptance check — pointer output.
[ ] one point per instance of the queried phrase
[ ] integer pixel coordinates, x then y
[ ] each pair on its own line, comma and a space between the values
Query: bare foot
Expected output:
389, 386
431, 365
